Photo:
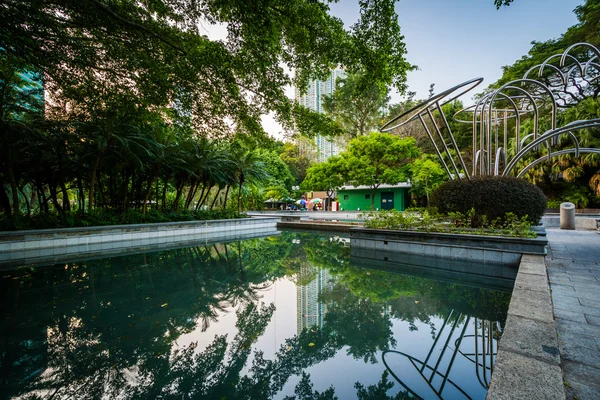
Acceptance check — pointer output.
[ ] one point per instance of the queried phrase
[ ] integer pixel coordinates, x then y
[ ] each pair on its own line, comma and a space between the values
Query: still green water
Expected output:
286, 316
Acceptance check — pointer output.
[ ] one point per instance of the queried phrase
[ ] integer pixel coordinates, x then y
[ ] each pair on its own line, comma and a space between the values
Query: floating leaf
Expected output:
311, 344
164, 304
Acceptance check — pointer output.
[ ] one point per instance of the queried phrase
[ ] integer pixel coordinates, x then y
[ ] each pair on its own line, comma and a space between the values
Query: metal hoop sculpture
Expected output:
483, 355
534, 96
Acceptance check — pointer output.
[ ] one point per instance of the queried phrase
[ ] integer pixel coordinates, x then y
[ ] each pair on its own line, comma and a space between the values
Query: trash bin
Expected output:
567, 216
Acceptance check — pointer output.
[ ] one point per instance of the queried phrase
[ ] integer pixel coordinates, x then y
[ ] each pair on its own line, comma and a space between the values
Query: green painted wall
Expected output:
357, 199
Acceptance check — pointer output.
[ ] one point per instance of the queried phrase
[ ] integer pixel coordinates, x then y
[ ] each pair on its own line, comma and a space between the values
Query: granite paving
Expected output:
573, 265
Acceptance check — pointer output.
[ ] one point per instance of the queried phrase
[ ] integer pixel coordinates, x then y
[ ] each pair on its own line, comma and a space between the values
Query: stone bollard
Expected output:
567, 216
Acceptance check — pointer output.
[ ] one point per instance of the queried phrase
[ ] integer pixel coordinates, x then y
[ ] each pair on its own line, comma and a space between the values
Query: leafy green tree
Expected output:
249, 169
297, 163
427, 174
579, 102
377, 159
355, 106
279, 173
156, 53
327, 176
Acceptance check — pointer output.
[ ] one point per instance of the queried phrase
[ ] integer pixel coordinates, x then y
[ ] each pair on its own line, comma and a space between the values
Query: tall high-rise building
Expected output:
310, 311
313, 99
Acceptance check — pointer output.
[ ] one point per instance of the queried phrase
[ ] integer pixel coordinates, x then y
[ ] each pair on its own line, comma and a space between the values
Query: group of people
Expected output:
303, 206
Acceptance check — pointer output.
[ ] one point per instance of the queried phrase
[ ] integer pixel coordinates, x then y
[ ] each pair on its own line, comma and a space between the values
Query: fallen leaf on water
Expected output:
311, 344
416, 301
164, 304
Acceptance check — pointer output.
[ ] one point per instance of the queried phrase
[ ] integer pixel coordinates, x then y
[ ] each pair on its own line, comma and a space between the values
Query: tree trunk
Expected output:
226, 195
149, 190
373, 194
191, 194
164, 195
65, 195
13, 188
81, 195
199, 202
26, 202
178, 196
54, 198
4, 201
203, 200
93, 182
125, 191
240, 196
215, 199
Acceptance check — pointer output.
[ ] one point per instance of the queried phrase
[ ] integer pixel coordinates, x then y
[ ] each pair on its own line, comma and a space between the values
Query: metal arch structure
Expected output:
435, 370
546, 87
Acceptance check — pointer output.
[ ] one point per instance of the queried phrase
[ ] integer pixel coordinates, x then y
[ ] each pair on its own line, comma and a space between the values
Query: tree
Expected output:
357, 107
427, 174
579, 100
377, 159
297, 163
279, 173
156, 54
327, 176
249, 169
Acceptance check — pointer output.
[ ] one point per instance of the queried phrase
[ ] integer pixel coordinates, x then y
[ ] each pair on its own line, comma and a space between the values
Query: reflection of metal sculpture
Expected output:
485, 346
562, 80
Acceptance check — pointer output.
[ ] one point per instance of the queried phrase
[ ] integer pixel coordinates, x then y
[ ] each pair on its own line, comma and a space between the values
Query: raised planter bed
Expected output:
473, 248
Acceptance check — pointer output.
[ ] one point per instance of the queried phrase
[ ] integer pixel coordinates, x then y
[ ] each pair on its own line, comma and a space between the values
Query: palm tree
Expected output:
250, 169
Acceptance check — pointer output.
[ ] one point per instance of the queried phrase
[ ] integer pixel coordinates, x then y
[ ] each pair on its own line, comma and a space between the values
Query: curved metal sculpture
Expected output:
435, 370
560, 81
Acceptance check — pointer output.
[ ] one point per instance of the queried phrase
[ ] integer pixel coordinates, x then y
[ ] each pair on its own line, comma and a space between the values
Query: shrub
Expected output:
492, 197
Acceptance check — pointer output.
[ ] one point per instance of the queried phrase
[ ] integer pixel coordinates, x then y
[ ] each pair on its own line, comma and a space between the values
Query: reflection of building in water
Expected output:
310, 311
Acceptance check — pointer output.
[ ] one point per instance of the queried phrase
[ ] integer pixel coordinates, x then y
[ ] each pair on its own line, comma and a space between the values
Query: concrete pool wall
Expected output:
30, 247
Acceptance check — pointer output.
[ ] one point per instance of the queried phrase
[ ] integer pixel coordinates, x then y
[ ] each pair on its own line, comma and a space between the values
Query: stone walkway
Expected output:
573, 265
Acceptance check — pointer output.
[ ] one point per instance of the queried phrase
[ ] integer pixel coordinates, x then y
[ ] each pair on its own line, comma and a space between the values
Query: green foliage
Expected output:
328, 176
138, 89
102, 217
454, 222
427, 174
297, 164
379, 391
279, 173
379, 158
356, 107
490, 197
578, 195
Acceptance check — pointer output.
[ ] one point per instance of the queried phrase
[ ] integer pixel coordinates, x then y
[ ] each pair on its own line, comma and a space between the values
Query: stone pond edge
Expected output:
45, 244
528, 360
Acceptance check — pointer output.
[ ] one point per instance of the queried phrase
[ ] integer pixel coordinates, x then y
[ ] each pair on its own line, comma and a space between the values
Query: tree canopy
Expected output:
358, 109
156, 53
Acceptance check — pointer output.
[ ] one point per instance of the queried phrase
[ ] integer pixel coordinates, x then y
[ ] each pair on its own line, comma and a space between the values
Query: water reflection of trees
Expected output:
106, 328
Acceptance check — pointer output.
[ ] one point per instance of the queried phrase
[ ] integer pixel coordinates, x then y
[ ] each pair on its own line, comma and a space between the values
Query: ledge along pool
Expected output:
260, 318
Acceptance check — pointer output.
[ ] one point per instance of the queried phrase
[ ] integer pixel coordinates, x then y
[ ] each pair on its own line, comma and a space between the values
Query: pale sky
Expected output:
454, 41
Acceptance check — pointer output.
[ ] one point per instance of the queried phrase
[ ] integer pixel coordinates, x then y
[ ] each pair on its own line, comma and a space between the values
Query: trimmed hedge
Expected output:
490, 196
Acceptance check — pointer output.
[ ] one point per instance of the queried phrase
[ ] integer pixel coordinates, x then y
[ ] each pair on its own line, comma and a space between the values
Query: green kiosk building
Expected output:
388, 197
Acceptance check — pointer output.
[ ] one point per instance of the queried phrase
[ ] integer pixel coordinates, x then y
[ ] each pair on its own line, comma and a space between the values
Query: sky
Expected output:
452, 41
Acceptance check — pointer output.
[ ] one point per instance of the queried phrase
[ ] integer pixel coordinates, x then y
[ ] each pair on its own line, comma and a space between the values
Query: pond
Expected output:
284, 317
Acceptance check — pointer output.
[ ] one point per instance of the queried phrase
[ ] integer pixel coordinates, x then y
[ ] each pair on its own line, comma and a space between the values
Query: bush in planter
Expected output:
490, 196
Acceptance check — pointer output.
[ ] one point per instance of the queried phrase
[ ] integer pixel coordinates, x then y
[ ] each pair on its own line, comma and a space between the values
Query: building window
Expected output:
345, 197
367, 197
